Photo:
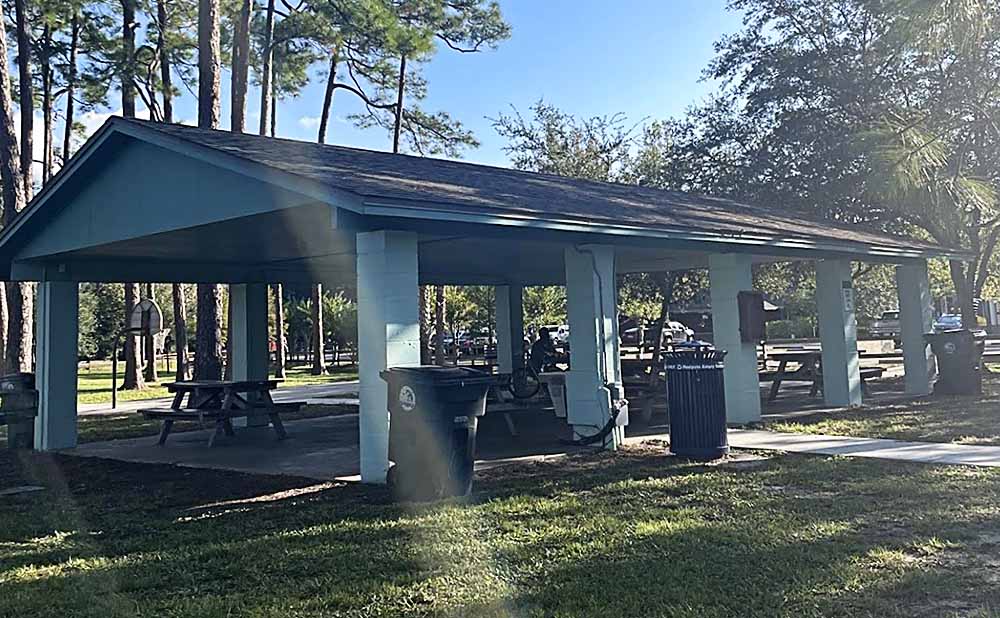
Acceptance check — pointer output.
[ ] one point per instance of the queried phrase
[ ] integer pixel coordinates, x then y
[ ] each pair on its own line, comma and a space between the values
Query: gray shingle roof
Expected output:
464, 187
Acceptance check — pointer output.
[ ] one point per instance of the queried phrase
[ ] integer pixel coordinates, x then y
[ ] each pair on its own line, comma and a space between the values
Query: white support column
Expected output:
249, 331
838, 332
510, 327
916, 317
730, 274
592, 310
56, 357
388, 334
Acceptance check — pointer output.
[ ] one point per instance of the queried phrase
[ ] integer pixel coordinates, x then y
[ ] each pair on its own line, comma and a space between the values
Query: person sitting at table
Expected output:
543, 351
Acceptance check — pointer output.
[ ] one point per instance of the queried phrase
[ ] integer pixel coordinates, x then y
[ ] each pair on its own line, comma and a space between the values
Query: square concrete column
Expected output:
838, 333
388, 334
594, 383
916, 317
56, 357
510, 327
249, 331
730, 274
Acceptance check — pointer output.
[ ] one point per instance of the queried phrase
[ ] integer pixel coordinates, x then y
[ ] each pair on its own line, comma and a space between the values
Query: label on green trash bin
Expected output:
407, 399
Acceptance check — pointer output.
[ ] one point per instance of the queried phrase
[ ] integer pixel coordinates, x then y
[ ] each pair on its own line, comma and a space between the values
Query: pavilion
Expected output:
148, 202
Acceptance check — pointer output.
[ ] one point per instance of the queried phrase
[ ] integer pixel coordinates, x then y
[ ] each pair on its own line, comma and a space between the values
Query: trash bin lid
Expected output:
696, 358
440, 376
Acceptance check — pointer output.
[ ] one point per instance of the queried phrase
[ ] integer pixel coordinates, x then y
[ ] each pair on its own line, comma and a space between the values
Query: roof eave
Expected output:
768, 244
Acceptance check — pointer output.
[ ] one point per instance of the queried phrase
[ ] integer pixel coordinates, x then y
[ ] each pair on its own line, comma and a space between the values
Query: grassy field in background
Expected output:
94, 383
131, 424
633, 533
962, 420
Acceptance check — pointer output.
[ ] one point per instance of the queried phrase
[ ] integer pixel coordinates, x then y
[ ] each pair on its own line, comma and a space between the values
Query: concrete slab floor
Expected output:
325, 448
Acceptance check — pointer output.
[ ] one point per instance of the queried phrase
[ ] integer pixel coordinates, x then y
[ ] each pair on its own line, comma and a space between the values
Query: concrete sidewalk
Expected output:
336, 392
896, 450
873, 448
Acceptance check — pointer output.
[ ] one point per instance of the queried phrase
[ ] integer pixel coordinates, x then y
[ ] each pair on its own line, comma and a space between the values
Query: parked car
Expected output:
947, 321
887, 326
558, 332
952, 321
675, 332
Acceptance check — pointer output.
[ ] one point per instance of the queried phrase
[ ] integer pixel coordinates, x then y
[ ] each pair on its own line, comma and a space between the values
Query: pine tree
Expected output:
208, 356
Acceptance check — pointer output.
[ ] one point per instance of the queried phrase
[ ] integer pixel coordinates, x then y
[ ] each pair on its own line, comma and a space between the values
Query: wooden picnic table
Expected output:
810, 369
220, 401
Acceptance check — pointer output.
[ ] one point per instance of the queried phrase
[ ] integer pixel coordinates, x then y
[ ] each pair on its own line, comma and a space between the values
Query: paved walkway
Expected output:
896, 450
335, 392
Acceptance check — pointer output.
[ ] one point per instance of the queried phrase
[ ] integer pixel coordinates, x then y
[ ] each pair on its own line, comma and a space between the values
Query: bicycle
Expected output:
524, 382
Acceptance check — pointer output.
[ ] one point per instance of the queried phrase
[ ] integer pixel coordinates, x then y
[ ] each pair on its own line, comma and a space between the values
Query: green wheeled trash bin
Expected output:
959, 356
696, 401
433, 417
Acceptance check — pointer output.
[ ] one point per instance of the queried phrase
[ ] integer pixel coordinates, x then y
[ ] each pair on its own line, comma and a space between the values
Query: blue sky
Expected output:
588, 57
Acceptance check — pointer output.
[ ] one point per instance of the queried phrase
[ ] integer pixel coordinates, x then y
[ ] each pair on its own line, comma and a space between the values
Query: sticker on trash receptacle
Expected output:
949, 348
407, 399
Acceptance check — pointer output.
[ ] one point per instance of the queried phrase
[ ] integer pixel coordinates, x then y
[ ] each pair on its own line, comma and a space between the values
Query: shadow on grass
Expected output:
627, 534
964, 420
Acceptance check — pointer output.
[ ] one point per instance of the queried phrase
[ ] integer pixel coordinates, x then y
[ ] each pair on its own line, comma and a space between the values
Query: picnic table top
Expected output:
795, 354
236, 385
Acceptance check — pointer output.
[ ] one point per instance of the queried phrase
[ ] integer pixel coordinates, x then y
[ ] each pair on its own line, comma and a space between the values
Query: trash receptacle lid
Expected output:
694, 359
434, 374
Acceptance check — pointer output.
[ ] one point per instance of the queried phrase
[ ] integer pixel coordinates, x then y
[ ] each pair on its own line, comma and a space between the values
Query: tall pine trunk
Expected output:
424, 326
667, 293
74, 43
240, 68
181, 371
237, 124
439, 309
25, 90
11, 178
965, 291
281, 348
274, 113
228, 368
132, 380
128, 58
319, 358
324, 117
180, 331
208, 334
400, 88
46, 67
166, 76
20, 310
266, 70
208, 355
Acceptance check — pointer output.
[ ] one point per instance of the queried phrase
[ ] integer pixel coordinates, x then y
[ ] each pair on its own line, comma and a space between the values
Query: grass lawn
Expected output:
963, 420
94, 383
101, 427
635, 533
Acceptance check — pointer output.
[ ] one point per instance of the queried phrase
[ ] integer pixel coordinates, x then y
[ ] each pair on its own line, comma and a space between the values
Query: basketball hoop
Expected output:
146, 318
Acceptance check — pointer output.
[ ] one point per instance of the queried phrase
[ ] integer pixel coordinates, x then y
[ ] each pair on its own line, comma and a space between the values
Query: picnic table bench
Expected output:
220, 401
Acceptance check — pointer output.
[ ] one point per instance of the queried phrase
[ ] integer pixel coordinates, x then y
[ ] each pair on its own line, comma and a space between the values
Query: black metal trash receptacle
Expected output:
696, 402
433, 417
18, 409
959, 354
